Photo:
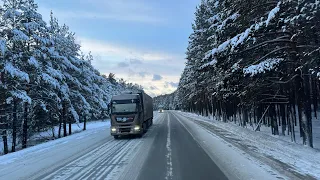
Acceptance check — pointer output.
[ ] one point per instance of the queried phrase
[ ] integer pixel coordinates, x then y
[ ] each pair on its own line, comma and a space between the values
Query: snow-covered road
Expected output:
176, 147
92, 154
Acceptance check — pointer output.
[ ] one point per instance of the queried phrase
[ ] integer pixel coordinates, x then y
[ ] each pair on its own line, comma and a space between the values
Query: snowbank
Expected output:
48, 135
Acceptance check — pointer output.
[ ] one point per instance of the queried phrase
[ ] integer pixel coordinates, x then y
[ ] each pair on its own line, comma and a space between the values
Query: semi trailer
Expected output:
131, 114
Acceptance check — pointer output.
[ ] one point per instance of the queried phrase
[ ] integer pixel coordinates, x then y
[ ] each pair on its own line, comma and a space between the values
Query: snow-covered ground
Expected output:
315, 131
239, 152
45, 136
266, 147
91, 154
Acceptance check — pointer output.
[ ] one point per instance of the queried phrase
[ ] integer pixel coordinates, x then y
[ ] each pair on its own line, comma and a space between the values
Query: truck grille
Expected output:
127, 130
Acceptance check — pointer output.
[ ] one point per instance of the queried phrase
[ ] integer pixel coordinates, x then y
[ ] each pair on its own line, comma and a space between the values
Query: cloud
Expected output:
135, 61
157, 77
139, 64
171, 84
153, 88
123, 64
136, 55
143, 74
113, 10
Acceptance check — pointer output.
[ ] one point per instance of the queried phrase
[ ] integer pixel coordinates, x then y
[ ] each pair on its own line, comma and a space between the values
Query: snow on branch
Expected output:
2, 46
262, 67
50, 80
32, 61
19, 35
273, 13
233, 17
240, 38
31, 25
211, 63
54, 73
15, 72
20, 94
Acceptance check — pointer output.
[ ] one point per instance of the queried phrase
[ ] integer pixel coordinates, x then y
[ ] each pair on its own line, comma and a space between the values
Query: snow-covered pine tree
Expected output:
262, 64
44, 80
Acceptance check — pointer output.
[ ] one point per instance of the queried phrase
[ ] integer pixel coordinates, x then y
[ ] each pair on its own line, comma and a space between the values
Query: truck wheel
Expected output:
139, 135
116, 137
145, 127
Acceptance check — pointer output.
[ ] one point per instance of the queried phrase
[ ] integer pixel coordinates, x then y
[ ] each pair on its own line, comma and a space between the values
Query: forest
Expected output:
45, 79
255, 62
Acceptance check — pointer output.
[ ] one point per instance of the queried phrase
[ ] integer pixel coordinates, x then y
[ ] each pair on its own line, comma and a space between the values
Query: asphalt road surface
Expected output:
166, 152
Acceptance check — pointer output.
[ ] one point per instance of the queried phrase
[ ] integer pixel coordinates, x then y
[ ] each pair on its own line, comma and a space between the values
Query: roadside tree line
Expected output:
45, 80
255, 62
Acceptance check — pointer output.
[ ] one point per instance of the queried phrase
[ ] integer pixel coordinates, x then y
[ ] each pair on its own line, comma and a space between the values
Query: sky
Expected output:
141, 41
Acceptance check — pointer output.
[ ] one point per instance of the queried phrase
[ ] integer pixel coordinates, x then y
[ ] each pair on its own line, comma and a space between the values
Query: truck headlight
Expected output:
137, 128
113, 129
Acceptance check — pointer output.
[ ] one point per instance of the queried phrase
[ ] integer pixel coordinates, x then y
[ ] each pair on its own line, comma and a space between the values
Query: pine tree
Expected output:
254, 59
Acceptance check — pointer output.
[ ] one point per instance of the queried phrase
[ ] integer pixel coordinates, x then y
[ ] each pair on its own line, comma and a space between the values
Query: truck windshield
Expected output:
124, 108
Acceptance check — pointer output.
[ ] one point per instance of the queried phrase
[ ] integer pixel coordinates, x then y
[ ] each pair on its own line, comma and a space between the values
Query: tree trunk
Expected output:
14, 126
25, 127
60, 125
274, 122
245, 117
70, 126
85, 123
307, 120
314, 97
283, 119
64, 120
5, 142
3, 115
52, 125
293, 135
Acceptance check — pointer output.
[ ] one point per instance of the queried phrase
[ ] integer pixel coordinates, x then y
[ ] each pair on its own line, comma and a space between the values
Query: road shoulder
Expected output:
234, 163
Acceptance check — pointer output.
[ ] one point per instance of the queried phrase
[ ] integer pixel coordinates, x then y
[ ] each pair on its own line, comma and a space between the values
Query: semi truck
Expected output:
130, 114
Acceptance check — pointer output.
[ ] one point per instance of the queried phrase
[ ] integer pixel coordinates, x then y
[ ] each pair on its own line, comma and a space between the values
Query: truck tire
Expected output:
116, 137
145, 127
139, 135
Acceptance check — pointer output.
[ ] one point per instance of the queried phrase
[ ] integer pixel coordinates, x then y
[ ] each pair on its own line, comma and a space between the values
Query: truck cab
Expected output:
130, 114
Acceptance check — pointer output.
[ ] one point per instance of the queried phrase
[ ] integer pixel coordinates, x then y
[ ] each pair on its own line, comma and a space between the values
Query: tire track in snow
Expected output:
95, 160
118, 161
111, 162
102, 162
51, 171
78, 164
